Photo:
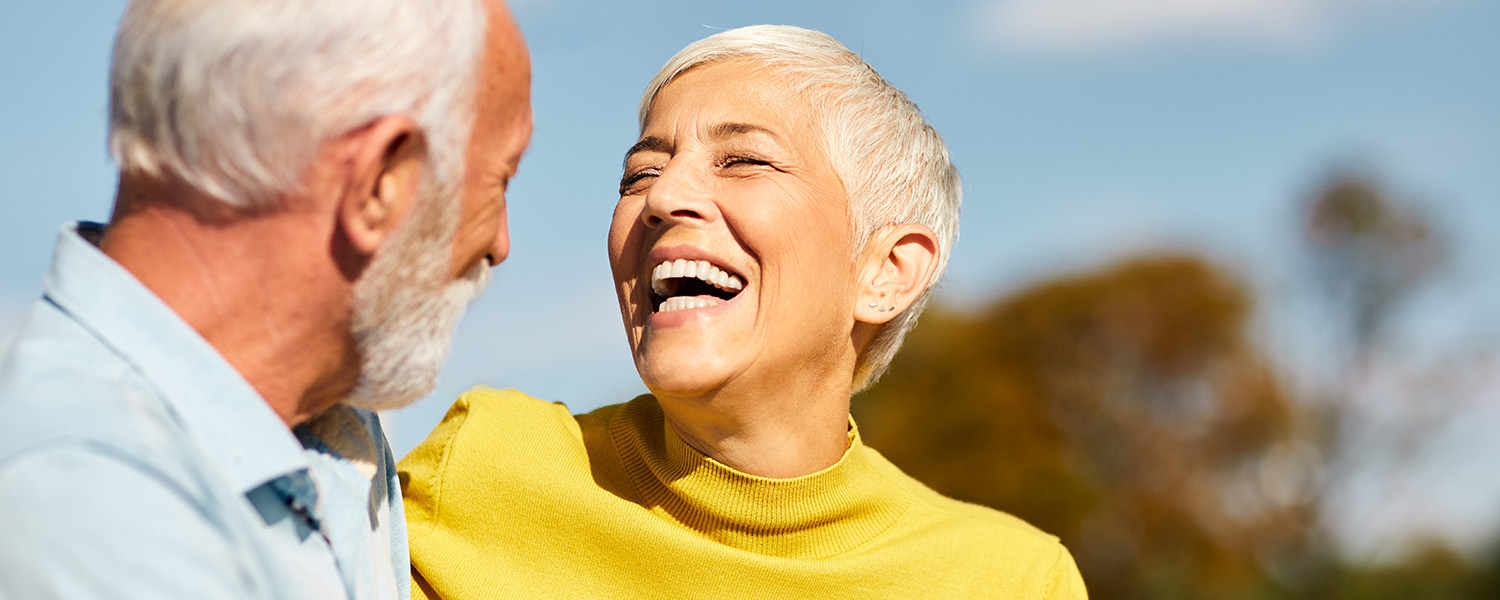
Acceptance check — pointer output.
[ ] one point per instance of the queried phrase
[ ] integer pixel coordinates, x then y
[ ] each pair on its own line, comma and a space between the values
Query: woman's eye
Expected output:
730, 161
631, 182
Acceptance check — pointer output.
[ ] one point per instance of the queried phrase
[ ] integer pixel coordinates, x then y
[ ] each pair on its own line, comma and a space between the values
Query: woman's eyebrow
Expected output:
648, 143
719, 131
726, 130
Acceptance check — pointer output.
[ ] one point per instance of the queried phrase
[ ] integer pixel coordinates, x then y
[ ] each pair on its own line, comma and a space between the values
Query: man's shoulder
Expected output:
61, 388
95, 474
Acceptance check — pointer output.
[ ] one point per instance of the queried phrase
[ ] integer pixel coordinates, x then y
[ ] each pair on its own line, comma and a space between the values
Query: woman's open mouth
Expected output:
687, 284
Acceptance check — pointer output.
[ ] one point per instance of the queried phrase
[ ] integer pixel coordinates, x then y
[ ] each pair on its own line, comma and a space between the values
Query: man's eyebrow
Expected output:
648, 143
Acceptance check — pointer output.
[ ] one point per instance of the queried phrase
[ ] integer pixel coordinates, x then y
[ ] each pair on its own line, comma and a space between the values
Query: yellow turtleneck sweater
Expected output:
512, 497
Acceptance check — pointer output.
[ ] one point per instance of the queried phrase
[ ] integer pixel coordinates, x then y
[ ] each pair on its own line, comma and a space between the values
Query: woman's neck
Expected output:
770, 435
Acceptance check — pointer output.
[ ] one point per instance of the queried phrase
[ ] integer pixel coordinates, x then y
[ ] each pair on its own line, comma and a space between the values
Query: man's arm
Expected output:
90, 522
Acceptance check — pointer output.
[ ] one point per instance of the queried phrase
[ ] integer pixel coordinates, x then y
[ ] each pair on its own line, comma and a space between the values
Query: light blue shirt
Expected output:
135, 462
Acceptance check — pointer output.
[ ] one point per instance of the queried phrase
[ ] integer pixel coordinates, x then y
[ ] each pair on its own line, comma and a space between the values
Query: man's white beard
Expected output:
404, 311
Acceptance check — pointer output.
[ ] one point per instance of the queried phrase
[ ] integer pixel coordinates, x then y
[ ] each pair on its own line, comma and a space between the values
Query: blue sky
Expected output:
1084, 132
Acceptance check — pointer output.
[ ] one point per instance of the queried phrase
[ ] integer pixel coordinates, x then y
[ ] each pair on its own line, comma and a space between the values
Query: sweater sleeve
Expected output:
421, 471
1063, 580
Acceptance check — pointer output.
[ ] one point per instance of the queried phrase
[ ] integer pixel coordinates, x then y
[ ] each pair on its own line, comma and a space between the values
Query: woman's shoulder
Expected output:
486, 423
978, 520
491, 432
495, 445
484, 406
986, 539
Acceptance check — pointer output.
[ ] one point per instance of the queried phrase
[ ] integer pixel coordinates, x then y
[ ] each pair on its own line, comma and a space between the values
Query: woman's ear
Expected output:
895, 267
386, 166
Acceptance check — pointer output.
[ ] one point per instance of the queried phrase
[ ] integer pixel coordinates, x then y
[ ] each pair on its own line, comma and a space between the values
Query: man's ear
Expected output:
386, 168
894, 269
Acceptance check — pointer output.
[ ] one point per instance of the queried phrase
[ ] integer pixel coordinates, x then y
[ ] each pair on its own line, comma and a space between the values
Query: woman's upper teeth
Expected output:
700, 269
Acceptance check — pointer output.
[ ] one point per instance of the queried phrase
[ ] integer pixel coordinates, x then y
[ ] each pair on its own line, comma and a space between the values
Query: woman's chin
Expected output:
684, 376
677, 386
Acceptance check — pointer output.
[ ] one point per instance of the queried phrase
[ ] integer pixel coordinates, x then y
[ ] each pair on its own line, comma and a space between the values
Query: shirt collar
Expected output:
209, 398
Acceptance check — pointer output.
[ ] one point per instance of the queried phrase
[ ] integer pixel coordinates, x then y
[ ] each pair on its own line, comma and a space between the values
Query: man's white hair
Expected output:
236, 97
893, 164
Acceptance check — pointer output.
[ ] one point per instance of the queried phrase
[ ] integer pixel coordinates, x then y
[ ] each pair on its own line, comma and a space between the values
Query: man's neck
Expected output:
250, 284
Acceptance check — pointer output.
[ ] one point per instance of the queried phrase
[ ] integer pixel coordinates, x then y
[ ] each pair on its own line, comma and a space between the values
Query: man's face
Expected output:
502, 130
412, 295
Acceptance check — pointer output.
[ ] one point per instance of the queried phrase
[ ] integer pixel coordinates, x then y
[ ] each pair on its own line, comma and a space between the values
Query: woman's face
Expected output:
730, 178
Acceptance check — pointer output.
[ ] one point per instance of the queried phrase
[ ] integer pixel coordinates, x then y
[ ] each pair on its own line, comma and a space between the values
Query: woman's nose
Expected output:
679, 194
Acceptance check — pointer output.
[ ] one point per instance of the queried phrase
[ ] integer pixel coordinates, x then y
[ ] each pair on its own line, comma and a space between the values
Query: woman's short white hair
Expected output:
893, 164
236, 97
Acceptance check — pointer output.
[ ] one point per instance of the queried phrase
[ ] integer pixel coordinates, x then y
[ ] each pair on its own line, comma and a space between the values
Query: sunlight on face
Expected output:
499, 134
410, 299
406, 308
730, 245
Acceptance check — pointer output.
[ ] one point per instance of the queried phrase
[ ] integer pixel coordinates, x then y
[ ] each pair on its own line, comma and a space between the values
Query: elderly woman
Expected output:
781, 223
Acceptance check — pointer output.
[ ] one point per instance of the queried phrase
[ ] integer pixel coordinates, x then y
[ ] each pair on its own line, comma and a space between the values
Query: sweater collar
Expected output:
813, 516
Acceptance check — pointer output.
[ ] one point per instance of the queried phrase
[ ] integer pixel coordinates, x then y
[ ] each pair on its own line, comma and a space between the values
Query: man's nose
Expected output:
500, 244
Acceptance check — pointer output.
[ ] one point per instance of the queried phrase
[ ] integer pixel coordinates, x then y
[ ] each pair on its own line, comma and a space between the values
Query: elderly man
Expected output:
310, 192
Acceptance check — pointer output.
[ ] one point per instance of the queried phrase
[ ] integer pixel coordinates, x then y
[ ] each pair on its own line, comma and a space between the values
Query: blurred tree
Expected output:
1369, 254
1434, 573
1125, 410
1128, 411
